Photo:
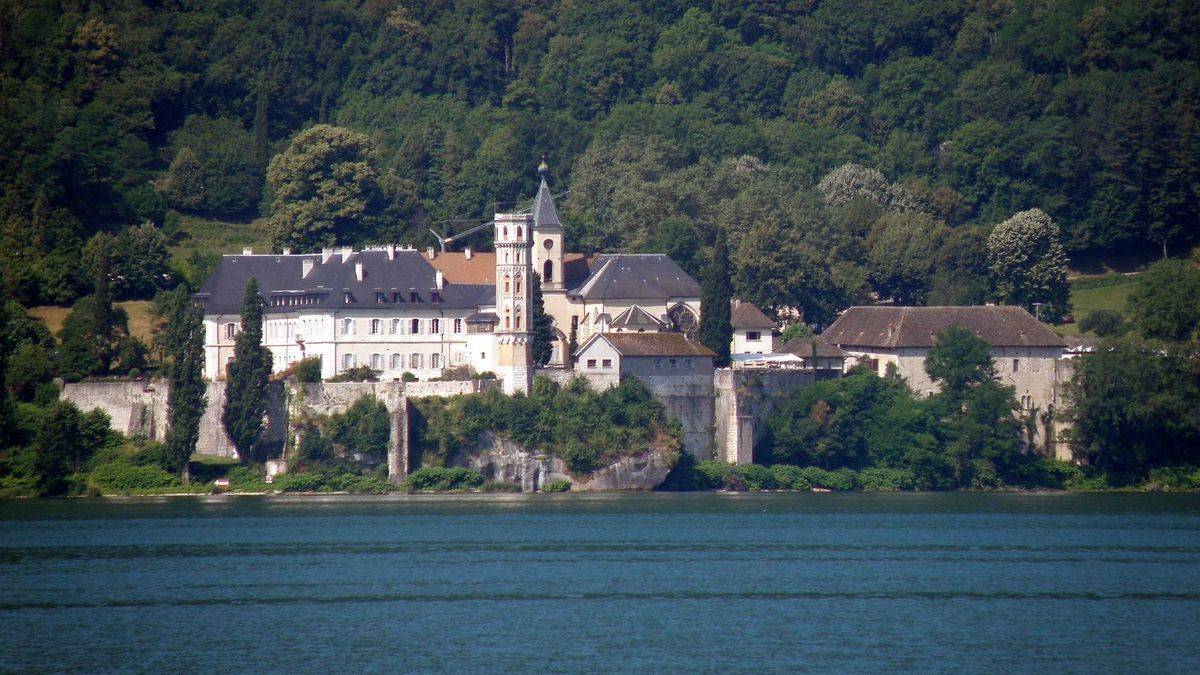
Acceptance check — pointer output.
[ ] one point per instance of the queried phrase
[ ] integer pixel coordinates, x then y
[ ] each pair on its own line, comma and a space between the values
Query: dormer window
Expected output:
434, 296
348, 298
397, 297
414, 297
380, 297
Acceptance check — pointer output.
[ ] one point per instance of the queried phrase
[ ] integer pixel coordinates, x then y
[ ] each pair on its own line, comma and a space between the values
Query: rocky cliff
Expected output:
499, 459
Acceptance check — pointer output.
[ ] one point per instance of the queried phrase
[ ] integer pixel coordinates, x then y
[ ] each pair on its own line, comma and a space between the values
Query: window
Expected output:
658, 363
397, 362
413, 297
415, 327
397, 297
230, 330
434, 296
549, 244
376, 326
458, 325
672, 363
518, 232
395, 326
517, 322
348, 298
380, 297
414, 361
377, 362
347, 326
435, 360
1016, 365
606, 363
482, 356
347, 361
753, 336
591, 363
435, 326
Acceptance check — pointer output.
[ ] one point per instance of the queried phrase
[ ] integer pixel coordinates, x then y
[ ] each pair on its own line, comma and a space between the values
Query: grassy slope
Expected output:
141, 317
218, 236
1089, 294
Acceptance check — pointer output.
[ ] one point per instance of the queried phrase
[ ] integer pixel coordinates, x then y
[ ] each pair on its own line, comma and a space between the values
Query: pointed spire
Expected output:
545, 213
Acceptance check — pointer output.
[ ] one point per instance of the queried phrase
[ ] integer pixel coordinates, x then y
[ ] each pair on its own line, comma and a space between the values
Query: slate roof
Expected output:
803, 347
408, 271
895, 327
636, 316
653, 344
545, 214
635, 277
745, 315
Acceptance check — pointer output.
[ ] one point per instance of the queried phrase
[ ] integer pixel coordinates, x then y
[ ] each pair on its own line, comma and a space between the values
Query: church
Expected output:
399, 310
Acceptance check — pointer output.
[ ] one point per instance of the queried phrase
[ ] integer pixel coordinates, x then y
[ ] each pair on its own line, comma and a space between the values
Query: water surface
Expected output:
985, 582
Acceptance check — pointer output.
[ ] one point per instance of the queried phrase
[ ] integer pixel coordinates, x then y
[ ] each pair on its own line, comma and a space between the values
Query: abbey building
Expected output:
399, 310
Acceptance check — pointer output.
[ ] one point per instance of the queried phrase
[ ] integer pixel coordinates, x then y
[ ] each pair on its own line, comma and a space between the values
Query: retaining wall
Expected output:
744, 399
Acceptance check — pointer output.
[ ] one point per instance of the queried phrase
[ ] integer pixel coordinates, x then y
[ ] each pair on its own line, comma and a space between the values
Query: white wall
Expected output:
742, 344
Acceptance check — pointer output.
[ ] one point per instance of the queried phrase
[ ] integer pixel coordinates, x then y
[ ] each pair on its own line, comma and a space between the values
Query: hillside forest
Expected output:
921, 151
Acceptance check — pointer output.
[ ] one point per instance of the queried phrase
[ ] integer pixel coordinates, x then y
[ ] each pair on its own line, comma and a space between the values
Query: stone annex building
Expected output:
400, 310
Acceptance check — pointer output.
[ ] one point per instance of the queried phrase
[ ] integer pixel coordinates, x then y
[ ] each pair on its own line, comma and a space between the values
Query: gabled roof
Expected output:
405, 272
803, 347
745, 315
545, 214
895, 327
480, 268
636, 316
651, 344
636, 277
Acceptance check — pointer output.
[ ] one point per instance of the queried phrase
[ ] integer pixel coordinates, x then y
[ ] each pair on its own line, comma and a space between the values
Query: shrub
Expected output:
408, 377
757, 477
790, 477
299, 482
499, 486
243, 476
308, 370
125, 477
1173, 478
842, 480
880, 479
557, 486
442, 479
356, 374
1104, 323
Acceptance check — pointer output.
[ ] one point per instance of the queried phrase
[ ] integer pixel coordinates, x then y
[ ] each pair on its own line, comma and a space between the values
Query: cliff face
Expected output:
500, 459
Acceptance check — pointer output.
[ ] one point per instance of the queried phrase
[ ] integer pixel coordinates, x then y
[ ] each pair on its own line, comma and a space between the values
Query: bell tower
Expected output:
514, 268
548, 236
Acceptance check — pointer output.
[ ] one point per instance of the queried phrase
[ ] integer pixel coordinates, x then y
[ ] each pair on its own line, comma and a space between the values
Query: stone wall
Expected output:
136, 407
744, 399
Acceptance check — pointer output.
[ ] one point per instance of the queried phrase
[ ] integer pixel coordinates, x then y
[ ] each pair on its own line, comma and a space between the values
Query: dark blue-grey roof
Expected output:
636, 276
545, 214
327, 283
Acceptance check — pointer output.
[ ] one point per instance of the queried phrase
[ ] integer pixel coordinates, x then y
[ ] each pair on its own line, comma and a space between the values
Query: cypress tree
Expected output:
184, 341
246, 379
716, 293
572, 346
543, 334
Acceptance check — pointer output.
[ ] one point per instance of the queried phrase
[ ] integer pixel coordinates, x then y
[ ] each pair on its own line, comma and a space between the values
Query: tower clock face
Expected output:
549, 244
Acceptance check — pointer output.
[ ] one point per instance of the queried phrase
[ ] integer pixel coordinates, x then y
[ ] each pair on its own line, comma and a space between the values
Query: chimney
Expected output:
346, 251
467, 253
287, 250
306, 266
431, 253
391, 249
326, 254
891, 329
247, 251
439, 279
358, 270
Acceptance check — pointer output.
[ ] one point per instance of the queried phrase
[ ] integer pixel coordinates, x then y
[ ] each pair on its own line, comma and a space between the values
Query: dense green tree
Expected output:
959, 362
27, 367
1104, 323
93, 333
326, 189
364, 428
903, 254
214, 170
1028, 264
716, 294
1165, 303
246, 381
183, 342
541, 327
57, 442
1134, 407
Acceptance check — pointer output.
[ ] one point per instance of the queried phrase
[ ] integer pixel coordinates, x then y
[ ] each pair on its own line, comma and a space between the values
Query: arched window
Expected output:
517, 322
397, 362
230, 330
507, 288
377, 362
548, 272
347, 361
458, 326
414, 361
376, 326
347, 326
415, 327
395, 326
507, 320
435, 360
518, 284
518, 232
683, 320
435, 326
506, 232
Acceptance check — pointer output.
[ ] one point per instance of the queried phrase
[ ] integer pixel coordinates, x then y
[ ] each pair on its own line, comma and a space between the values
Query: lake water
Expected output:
982, 582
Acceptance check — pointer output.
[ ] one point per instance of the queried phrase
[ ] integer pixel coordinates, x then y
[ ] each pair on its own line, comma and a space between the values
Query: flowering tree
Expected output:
1028, 265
